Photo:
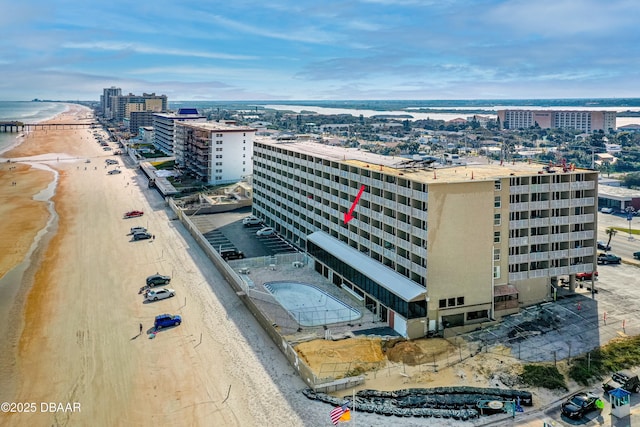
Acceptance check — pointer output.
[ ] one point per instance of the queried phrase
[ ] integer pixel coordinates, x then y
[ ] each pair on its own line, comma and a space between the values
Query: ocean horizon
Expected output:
27, 112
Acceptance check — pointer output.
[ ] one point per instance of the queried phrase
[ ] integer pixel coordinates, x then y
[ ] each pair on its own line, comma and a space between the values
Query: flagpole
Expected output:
353, 401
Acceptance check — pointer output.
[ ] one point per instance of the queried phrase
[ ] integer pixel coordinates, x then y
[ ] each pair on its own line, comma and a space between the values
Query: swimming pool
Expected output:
310, 305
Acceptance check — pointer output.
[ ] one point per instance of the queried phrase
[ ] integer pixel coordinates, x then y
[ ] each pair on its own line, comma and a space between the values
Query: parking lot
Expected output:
226, 231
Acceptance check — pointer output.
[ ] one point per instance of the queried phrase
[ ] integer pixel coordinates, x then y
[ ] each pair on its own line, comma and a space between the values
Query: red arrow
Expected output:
347, 215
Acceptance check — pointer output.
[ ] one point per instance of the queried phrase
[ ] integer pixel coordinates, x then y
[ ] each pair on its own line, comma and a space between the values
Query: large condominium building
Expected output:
215, 153
124, 104
107, 101
164, 125
585, 121
429, 249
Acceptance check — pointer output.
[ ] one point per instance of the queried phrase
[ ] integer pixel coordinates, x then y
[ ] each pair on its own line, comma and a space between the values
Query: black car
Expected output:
625, 379
579, 404
141, 236
602, 246
158, 279
231, 254
608, 259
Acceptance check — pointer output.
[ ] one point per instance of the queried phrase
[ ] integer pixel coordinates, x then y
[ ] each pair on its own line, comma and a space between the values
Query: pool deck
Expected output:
286, 324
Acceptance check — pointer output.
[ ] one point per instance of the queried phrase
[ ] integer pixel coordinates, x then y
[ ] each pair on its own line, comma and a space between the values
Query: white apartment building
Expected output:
164, 125
585, 121
215, 153
430, 250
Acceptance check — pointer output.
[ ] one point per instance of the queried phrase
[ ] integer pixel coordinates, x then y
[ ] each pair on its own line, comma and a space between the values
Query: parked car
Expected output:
581, 403
251, 221
138, 229
608, 258
636, 255
602, 246
133, 214
166, 320
586, 275
266, 231
114, 171
111, 162
158, 279
141, 236
625, 379
231, 254
163, 293
606, 210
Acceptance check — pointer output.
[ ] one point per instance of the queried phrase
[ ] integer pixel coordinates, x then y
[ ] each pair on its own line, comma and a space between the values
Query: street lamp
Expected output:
630, 211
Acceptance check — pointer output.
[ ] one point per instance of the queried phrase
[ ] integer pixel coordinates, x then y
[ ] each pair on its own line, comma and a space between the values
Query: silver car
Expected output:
155, 295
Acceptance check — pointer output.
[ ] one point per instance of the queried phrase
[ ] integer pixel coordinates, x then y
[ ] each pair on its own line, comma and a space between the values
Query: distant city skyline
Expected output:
286, 50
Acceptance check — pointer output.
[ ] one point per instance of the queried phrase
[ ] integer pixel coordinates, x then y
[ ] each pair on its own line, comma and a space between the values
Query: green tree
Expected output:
611, 232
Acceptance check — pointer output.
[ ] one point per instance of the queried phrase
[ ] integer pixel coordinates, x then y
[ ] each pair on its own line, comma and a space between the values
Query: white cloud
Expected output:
139, 48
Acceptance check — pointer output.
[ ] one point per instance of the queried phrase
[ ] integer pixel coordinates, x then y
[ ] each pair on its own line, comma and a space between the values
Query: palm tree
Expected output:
611, 232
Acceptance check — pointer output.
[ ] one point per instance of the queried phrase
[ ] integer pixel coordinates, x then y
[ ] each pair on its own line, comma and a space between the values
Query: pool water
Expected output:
310, 305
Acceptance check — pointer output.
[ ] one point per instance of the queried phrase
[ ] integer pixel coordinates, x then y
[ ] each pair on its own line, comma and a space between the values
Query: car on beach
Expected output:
114, 171
266, 232
141, 236
166, 320
158, 279
133, 214
138, 229
155, 295
579, 404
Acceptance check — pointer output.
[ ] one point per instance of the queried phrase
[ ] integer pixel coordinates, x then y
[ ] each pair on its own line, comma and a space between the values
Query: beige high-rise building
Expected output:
430, 249
585, 121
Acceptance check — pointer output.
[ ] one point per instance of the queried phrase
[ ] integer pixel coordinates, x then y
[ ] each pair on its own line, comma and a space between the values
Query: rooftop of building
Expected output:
471, 168
217, 126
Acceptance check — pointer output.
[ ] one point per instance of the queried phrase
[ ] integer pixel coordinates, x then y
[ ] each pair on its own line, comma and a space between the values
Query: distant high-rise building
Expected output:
164, 125
125, 104
107, 101
584, 121
216, 153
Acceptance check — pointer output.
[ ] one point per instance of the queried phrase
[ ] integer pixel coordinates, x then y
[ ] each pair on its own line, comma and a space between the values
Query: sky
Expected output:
320, 50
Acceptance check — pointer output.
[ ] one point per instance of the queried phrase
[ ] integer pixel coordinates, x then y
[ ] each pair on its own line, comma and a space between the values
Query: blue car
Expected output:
166, 320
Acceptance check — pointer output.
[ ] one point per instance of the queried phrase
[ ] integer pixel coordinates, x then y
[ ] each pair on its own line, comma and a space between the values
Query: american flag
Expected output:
337, 412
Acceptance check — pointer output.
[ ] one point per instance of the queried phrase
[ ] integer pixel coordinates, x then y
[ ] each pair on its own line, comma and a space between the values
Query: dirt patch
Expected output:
342, 358
418, 352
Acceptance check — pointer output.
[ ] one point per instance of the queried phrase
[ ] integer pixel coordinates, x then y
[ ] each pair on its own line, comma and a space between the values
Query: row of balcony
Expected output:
550, 272
551, 238
551, 221
552, 204
551, 255
546, 188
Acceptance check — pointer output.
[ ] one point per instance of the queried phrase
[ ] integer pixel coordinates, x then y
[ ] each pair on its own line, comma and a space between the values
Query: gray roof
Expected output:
391, 280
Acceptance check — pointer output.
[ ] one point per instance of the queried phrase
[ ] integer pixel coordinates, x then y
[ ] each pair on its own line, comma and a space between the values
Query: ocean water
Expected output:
27, 112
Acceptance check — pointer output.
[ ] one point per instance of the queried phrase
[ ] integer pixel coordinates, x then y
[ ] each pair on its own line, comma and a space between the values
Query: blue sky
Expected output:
320, 50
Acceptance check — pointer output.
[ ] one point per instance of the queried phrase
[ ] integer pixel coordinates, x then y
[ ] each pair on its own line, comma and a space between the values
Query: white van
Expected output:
606, 210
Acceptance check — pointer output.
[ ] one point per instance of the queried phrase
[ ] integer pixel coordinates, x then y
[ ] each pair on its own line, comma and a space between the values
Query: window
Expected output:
496, 237
496, 254
442, 303
451, 302
460, 301
219, 149
496, 219
496, 271
497, 185
496, 202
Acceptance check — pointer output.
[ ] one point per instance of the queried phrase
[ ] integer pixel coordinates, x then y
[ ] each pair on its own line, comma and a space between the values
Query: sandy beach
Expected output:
75, 341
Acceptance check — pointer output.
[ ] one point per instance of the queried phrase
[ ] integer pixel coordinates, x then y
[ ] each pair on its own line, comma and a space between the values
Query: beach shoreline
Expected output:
74, 333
